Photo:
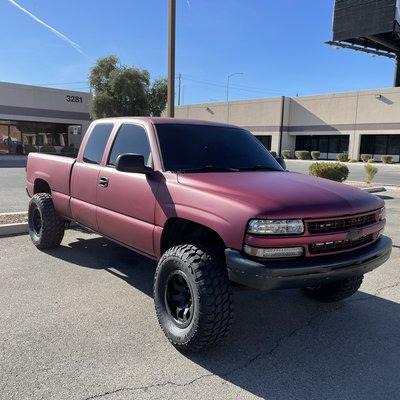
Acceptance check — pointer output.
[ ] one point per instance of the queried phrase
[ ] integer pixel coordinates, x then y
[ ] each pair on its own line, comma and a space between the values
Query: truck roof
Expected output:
166, 120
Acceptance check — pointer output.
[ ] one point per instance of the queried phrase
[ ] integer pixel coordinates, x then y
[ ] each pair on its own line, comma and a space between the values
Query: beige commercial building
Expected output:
365, 122
32, 117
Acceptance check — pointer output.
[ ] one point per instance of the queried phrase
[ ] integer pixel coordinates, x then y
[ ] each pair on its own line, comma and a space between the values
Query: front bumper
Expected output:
313, 271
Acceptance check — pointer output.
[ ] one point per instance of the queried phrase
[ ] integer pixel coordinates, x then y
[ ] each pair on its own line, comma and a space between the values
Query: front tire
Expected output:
192, 297
335, 291
46, 228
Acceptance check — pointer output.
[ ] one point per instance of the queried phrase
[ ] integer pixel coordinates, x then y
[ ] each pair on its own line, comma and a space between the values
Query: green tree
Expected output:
125, 91
158, 96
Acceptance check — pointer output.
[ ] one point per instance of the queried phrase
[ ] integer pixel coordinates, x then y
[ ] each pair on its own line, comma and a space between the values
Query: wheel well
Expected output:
179, 231
41, 186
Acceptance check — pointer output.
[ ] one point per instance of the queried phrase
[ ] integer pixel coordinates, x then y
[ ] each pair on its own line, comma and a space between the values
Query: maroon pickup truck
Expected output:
216, 210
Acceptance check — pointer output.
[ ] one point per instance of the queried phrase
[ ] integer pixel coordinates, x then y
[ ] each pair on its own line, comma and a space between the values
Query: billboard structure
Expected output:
372, 26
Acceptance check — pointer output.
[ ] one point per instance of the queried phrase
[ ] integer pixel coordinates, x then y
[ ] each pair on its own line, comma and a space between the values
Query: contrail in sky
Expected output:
51, 29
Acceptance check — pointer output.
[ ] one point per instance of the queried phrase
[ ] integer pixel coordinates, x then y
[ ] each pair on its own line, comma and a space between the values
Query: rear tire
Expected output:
46, 228
192, 297
335, 291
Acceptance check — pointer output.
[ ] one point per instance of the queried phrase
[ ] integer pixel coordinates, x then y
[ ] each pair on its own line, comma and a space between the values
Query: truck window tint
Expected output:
130, 139
96, 144
185, 147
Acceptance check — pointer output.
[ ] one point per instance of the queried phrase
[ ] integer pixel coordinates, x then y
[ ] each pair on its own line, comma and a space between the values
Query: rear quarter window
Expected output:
97, 143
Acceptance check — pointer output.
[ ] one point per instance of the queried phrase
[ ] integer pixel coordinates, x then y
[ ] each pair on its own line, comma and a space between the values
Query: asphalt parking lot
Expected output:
12, 189
78, 322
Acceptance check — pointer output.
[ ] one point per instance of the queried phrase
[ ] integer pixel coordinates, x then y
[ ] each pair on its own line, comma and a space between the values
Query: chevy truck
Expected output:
215, 209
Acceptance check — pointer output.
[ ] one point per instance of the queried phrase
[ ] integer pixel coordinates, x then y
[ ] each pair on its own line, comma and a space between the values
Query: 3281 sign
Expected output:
73, 99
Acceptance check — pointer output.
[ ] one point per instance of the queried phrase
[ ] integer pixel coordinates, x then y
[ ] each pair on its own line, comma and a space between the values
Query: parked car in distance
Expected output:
215, 209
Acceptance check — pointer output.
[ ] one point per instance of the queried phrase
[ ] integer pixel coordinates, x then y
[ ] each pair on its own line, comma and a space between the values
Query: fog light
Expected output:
279, 252
382, 213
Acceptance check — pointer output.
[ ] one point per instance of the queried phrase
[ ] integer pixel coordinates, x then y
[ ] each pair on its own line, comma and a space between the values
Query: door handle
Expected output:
103, 181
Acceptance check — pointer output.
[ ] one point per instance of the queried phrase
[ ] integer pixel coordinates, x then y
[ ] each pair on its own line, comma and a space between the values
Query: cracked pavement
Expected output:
79, 323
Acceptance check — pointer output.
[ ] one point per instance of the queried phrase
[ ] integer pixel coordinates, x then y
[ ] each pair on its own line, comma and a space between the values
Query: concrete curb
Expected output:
14, 229
378, 164
375, 189
22, 228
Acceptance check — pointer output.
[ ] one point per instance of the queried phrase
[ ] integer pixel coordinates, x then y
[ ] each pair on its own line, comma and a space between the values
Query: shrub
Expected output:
371, 161
315, 155
302, 154
273, 153
69, 150
366, 157
371, 171
334, 171
343, 157
286, 154
47, 149
29, 148
386, 159
353, 160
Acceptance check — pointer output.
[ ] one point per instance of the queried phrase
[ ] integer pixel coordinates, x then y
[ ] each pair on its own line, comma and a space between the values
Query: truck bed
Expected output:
54, 169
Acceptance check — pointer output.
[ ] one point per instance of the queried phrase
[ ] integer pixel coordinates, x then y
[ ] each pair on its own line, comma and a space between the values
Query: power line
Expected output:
235, 86
60, 83
219, 85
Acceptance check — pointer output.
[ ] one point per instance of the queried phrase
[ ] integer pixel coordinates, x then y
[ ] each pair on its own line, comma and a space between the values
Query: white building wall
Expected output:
40, 104
371, 112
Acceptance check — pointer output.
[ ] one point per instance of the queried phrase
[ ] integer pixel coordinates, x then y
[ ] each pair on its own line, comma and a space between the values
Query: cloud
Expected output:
51, 29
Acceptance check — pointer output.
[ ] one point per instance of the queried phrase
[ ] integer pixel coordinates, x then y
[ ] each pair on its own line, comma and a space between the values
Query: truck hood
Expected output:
277, 194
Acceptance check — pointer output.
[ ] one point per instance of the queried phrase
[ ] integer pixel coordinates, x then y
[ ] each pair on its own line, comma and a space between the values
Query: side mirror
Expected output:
281, 162
131, 162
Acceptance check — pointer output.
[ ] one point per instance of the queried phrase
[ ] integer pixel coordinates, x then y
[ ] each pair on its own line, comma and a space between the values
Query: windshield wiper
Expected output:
209, 168
259, 167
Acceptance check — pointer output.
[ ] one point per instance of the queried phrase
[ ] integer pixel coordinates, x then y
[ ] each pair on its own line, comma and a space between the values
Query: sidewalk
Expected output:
394, 165
13, 160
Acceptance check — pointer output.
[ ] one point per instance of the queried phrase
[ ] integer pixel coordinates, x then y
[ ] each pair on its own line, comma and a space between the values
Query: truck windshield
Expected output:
208, 148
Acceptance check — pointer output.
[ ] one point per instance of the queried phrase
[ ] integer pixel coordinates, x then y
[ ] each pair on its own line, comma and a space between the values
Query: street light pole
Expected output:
171, 58
179, 88
227, 93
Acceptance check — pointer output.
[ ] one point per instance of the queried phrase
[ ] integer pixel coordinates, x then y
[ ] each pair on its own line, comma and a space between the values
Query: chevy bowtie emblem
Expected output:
353, 235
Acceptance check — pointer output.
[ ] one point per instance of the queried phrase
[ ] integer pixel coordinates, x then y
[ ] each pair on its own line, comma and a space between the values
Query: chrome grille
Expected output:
334, 225
325, 247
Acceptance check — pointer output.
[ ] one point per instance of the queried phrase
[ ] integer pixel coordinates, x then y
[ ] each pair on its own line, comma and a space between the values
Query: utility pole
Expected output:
179, 89
397, 71
171, 58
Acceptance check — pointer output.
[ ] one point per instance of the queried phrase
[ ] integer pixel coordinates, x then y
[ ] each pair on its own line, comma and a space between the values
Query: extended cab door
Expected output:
85, 174
126, 201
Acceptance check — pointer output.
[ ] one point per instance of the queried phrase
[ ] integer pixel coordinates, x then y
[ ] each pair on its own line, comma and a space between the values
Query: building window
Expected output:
24, 136
265, 140
328, 145
379, 145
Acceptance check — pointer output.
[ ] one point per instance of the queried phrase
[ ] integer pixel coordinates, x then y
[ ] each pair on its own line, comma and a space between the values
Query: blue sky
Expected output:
277, 45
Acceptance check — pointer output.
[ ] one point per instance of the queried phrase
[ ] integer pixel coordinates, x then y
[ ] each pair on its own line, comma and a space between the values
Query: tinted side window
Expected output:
131, 139
97, 142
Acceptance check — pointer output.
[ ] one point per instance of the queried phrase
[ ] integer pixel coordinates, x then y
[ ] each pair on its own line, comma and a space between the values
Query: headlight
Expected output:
382, 213
275, 227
